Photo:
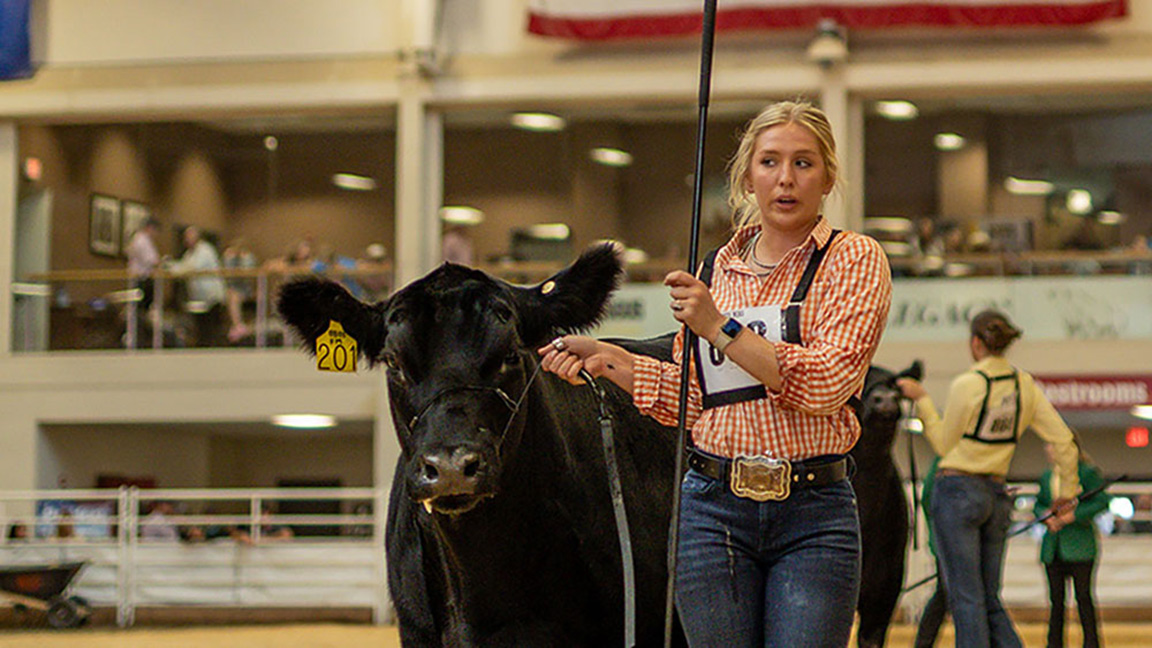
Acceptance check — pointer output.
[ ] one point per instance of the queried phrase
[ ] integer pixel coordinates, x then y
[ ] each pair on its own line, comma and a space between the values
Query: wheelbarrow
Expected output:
44, 588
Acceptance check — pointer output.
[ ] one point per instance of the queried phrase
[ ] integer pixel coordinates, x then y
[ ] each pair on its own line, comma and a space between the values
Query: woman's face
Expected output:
788, 177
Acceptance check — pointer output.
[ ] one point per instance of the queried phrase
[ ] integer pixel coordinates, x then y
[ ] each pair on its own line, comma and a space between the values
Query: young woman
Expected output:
989, 407
769, 545
1069, 549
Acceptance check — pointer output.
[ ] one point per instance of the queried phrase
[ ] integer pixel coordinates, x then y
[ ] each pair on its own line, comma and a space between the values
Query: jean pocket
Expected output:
698, 484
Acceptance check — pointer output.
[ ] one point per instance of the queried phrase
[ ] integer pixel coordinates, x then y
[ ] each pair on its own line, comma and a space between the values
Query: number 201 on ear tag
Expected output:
336, 350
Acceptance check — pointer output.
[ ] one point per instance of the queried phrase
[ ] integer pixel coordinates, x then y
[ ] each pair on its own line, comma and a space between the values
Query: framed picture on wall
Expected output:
132, 214
104, 225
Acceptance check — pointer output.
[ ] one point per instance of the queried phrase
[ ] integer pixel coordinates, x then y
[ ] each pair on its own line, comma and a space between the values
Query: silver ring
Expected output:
676, 305
558, 343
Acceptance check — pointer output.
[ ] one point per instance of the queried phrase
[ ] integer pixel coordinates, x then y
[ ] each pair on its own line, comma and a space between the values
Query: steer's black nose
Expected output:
451, 472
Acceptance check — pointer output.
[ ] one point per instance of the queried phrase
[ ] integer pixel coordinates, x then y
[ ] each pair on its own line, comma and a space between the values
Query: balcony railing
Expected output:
100, 309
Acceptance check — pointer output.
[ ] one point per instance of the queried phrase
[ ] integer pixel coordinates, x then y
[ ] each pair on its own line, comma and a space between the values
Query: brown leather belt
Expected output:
953, 472
763, 479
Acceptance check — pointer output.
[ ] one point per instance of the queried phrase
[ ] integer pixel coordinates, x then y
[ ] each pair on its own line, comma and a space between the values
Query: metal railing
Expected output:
230, 552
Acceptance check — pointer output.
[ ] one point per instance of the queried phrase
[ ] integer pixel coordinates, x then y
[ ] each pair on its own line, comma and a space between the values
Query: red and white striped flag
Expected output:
617, 19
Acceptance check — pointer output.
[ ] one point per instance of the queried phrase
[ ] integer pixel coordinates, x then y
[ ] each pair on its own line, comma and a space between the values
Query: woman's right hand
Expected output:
568, 355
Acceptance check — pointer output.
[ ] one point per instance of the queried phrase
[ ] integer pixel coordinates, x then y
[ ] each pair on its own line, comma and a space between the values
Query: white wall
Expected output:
79, 455
73, 388
110, 32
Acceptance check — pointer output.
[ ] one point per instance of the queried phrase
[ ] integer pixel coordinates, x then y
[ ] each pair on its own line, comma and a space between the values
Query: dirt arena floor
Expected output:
336, 635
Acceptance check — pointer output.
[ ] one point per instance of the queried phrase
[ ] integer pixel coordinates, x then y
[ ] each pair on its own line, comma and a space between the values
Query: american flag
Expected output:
619, 19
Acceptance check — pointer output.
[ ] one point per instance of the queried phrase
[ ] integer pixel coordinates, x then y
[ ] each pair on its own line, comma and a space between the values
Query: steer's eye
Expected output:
393, 365
512, 360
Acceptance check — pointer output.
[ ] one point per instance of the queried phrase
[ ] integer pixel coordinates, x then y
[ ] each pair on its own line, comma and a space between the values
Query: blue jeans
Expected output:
970, 518
753, 574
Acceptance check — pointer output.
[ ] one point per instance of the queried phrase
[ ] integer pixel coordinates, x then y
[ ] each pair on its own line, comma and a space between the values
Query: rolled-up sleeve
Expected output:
656, 388
841, 338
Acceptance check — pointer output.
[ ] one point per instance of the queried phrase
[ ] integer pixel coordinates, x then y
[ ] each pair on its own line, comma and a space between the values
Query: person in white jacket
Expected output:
206, 291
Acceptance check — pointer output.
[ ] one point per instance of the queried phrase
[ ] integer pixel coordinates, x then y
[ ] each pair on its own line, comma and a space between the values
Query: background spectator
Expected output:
206, 292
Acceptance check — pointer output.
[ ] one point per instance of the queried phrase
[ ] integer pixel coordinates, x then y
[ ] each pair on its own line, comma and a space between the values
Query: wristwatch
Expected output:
728, 332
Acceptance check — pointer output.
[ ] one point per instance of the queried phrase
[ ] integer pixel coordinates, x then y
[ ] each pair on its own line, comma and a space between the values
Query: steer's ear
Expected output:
915, 371
308, 305
571, 300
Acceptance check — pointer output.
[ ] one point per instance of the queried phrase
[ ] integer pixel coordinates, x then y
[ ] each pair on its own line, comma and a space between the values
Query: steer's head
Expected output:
880, 408
458, 348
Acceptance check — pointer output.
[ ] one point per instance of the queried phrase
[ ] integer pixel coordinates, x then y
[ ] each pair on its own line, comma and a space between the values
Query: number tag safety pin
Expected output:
336, 350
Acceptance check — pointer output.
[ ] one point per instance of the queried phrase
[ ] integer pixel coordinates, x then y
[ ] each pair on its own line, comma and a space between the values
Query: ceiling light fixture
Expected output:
1021, 187
1079, 202
897, 110
353, 182
612, 157
949, 141
1110, 217
461, 215
538, 122
304, 421
550, 232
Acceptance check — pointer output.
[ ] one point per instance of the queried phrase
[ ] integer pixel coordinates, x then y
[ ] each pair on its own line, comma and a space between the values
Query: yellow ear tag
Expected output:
336, 350
548, 287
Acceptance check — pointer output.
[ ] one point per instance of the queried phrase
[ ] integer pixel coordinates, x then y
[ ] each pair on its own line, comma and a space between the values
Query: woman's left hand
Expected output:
692, 304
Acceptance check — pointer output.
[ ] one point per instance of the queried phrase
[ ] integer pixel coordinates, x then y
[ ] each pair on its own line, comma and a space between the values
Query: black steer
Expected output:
882, 504
500, 528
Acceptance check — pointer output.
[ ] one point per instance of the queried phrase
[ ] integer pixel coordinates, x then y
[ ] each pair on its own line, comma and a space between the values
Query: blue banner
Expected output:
15, 45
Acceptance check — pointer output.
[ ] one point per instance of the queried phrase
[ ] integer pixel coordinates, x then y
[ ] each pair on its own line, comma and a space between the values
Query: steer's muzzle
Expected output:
449, 480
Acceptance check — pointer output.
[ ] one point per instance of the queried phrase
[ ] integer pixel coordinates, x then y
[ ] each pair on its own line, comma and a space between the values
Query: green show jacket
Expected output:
1076, 542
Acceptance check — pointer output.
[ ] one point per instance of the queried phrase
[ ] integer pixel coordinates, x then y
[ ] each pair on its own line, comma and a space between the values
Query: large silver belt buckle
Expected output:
761, 478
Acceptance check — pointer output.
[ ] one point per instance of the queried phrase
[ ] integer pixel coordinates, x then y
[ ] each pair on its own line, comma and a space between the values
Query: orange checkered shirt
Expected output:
841, 322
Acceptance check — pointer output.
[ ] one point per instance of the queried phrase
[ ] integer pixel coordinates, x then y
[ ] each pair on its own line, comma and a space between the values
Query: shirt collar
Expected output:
730, 254
993, 364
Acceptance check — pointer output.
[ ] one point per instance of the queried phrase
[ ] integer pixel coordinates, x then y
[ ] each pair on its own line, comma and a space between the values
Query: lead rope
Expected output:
617, 492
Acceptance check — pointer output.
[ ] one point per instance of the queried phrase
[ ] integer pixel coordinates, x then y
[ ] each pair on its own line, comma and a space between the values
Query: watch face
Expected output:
731, 327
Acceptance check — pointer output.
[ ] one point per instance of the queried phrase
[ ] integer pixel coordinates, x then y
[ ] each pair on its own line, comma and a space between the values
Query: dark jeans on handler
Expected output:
970, 518
753, 574
933, 615
1081, 574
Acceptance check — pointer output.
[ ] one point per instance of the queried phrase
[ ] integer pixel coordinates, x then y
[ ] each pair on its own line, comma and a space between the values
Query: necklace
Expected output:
767, 268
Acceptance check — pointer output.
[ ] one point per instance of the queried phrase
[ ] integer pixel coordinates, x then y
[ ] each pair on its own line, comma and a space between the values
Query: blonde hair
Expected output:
744, 207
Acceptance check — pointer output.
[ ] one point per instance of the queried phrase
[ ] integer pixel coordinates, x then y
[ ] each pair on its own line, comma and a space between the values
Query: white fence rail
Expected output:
232, 551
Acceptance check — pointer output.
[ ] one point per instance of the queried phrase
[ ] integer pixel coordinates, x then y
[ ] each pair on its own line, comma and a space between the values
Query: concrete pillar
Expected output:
840, 208
9, 188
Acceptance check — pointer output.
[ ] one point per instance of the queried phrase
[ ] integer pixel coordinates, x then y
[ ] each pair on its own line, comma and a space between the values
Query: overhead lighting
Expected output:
897, 110
1110, 217
353, 182
1022, 187
304, 421
958, 269
31, 289
1079, 202
271, 143
612, 157
949, 141
461, 215
896, 224
1142, 411
550, 232
538, 122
